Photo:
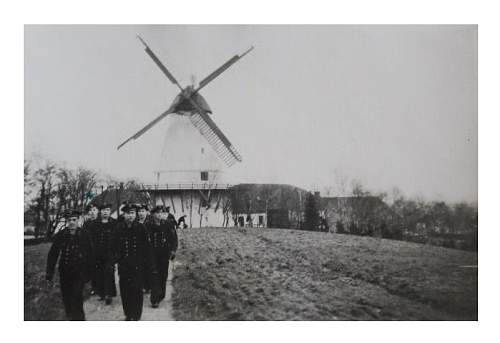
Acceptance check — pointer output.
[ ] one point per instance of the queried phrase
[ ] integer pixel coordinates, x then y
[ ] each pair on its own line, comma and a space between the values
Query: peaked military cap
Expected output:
105, 205
71, 213
142, 206
89, 207
127, 207
158, 208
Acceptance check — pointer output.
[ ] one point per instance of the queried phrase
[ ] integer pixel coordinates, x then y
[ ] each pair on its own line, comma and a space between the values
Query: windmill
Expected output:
189, 102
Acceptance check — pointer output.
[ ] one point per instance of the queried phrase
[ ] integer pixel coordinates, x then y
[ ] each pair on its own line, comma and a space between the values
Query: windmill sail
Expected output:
147, 127
159, 64
190, 102
221, 69
219, 142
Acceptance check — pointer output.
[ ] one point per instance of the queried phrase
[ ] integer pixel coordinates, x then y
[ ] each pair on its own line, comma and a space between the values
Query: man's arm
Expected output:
110, 244
172, 240
172, 219
114, 245
90, 254
54, 251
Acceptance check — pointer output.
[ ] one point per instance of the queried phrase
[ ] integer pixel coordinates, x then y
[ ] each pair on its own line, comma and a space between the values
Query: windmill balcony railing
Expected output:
185, 186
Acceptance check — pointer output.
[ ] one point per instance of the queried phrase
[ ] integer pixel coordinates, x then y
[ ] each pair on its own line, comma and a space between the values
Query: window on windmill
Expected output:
204, 176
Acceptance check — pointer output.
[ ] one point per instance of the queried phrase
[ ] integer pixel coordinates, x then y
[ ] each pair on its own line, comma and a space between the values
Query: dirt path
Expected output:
97, 310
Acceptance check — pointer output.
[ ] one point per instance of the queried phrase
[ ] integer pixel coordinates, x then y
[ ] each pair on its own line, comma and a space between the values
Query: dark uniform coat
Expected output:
146, 282
163, 240
87, 229
104, 272
75, 265
130, 250
87, 226
171, 218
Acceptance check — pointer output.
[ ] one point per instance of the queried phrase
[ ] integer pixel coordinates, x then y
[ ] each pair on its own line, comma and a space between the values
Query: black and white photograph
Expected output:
251, 172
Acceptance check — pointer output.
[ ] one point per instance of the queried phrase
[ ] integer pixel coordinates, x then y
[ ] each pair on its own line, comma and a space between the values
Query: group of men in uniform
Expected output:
141, 243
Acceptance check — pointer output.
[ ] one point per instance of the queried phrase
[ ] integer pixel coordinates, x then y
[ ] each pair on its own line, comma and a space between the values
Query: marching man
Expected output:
163, 240
104, 273
130, 250
72, 247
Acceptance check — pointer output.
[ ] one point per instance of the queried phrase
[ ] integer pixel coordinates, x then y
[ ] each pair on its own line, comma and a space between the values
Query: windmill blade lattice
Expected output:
198, 115
222, 146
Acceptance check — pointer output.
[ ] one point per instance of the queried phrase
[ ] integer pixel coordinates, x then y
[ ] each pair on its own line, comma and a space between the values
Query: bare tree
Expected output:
77, 187
29, 183
59, 188
45, 178
226, 208
341, 182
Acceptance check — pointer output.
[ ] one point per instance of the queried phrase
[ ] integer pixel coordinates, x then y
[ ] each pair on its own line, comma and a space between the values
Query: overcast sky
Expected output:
391, 106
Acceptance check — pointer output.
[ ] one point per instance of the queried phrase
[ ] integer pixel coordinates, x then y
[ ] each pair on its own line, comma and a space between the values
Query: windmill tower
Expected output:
186, 156
196, 151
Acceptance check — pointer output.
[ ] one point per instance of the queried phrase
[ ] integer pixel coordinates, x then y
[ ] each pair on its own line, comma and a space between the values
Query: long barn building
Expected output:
222, 205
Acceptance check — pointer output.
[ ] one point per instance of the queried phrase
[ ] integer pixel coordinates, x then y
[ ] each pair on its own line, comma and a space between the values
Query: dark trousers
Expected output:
147, 277
131, 294
104, 278
72, 294
160, 278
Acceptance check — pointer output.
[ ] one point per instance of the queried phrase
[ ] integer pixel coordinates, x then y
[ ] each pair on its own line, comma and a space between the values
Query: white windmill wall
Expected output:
186, 153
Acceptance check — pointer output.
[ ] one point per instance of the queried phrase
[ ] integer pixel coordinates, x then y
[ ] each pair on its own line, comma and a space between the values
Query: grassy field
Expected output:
40, 301
266, 274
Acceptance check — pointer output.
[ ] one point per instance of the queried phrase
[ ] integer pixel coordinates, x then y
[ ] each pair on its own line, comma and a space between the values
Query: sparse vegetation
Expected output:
41, 302
248, 274
51, 188
433, 222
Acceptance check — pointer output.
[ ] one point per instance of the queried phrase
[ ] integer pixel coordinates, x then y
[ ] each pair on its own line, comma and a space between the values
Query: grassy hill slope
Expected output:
266, 274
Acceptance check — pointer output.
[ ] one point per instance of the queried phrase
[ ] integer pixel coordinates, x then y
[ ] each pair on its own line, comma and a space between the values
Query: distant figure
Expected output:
75, 264
181, 223
249, 221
